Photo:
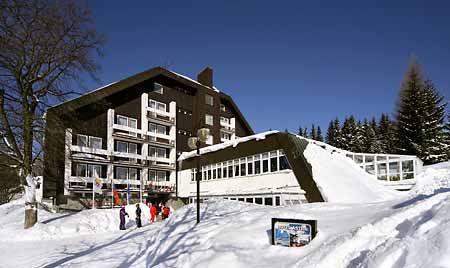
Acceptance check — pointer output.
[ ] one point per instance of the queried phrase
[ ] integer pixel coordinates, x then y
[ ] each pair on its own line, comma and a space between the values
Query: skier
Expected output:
166, 212
122, 217
138, 216
153, 212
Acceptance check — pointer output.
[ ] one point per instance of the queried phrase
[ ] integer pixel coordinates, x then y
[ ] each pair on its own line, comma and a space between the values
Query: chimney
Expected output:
206, 77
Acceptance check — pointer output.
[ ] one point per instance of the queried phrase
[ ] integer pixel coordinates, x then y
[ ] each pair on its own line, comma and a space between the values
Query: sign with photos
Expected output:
293, 232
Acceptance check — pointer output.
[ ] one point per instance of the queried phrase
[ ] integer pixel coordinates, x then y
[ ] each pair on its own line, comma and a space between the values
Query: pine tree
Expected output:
305, 132
420, 118
330, 137
319, 136
300, 131
312, 135
338, 141
386, 135
349, 133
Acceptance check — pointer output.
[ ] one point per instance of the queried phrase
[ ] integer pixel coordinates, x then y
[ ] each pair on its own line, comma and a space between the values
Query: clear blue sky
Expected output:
285, 63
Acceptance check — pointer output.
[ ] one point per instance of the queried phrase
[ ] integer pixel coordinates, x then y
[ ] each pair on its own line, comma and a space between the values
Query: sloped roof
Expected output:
113, 88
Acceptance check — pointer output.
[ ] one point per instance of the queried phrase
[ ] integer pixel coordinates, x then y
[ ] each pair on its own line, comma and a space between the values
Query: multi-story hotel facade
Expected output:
130, 134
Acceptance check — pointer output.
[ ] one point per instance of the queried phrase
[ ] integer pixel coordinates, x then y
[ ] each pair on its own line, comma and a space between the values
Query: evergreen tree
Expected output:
420, 115
338, 141
330, 137
349, 133
372, 132
319, 136
305, 132
312, 135
386, 135
300, 131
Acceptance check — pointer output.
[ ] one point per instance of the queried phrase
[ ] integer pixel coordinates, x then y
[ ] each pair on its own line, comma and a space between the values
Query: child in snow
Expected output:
122, 217
138, 216
153, 212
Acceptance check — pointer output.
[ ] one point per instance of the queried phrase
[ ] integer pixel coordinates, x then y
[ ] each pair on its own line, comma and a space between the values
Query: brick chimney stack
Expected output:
205, 77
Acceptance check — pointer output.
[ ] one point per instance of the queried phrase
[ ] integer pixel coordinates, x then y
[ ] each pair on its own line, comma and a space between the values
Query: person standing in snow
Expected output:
153, 212
138, 216
166, 212
123, 213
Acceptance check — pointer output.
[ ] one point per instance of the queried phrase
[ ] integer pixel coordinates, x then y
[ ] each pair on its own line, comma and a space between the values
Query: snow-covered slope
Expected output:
340, 180
412, 230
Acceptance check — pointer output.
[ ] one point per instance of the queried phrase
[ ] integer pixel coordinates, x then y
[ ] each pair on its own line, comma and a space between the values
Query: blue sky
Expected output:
285, 63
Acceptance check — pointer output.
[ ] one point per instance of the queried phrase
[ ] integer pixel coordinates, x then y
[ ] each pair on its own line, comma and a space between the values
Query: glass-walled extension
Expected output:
388, 168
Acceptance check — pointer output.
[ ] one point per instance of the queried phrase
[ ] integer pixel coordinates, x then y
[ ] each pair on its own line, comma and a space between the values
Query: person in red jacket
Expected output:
152, 212
166, 212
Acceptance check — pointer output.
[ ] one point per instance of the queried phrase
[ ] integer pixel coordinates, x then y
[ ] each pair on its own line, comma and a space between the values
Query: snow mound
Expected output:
340, 180
52, 226
433, 179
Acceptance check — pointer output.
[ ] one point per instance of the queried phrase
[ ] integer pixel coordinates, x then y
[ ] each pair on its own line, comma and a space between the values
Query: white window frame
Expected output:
95, 138
85, 168
129, 148
123, 142
207, 117
223, 107
160, 90
209, 98
122, 117
82, 136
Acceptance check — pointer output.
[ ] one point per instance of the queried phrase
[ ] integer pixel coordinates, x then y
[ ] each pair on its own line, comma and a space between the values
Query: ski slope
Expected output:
410, 230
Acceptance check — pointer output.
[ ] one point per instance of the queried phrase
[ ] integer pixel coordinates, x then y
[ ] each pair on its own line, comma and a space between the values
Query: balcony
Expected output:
89, 150
227, 128
161, 139
163, 119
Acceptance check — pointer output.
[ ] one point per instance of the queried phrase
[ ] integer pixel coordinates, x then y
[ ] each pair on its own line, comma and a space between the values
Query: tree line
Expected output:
418, 127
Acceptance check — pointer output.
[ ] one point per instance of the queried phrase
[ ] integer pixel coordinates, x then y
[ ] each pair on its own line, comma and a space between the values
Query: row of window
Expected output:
126, 121
246, 166
209, 120
160, 129
260, 200
122, 173
126, 147
89, 141
160, 106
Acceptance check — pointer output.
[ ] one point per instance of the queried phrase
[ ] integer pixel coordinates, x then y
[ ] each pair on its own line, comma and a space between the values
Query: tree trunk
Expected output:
30, 216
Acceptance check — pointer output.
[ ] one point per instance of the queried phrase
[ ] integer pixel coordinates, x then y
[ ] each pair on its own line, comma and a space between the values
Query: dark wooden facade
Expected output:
88, 115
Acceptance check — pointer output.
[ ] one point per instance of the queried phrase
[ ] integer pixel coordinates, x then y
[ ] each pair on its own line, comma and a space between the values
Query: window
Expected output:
132, 149
230, 169
209, 119
225, 170
257, 164
382, 171
265, 163
122, 147
94, 171
209, 173
209, 99
162, 153
277, 200
222, 107
157, 105
132, 122
273, 162
122, 173
236, 168
133, 174
214, 174
82, 140
126, 121
268, 201
394, 171
210, 140
95, 142
219, 171
161, 176
152, 175
81, 170
161, 129
258, 200
250, 165
158, 88
243, 167
225, 136
224, 120
284, 163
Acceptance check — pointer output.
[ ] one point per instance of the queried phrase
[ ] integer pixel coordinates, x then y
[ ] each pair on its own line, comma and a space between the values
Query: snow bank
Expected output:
340, 180
62, 225
434, 178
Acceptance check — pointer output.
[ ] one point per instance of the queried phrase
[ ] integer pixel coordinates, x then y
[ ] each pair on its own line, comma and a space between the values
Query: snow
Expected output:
220, 146
192, 80
339, 179
407, 230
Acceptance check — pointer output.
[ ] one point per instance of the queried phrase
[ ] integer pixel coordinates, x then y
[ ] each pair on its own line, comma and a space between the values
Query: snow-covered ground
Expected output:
408, 230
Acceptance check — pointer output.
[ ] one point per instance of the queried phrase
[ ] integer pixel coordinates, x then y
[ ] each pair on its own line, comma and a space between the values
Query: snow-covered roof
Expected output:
220, 146
193, 81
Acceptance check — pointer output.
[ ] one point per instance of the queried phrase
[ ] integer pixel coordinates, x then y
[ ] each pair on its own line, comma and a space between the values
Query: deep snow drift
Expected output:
411, 230
340, 180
